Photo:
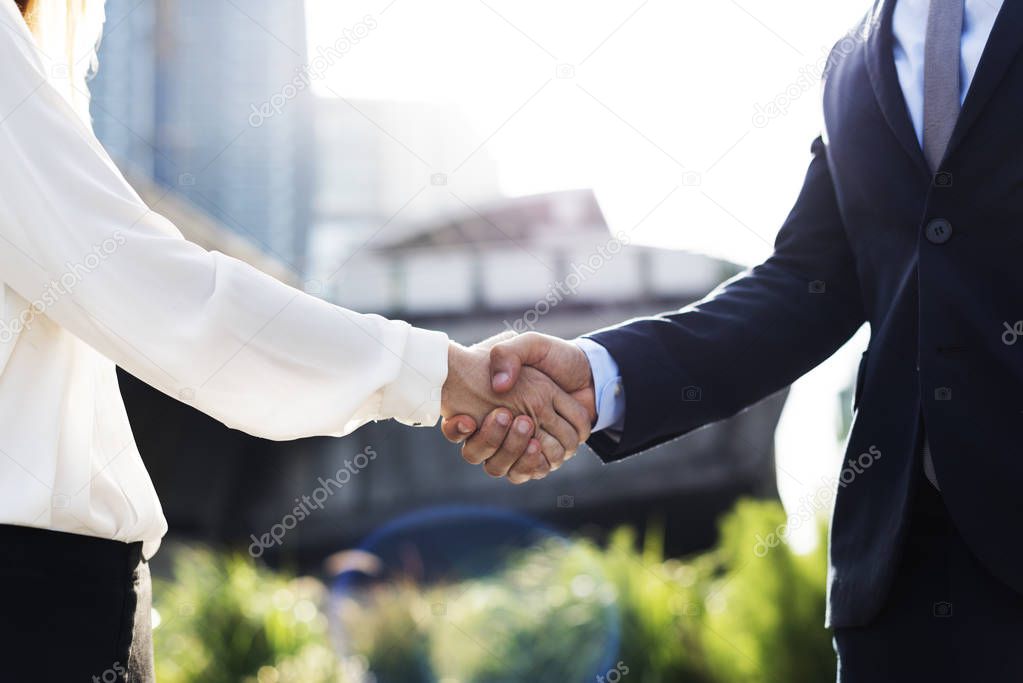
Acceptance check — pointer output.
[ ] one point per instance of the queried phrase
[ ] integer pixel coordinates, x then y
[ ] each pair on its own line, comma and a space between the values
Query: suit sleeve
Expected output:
751, 337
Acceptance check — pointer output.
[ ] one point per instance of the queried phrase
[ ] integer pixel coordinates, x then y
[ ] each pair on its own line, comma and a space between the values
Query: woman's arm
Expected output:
200, 326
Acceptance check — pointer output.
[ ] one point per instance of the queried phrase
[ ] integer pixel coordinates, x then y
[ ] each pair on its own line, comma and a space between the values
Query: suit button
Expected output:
939, 231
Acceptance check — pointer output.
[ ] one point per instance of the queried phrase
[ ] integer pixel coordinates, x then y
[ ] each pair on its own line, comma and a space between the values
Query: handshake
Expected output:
520, 405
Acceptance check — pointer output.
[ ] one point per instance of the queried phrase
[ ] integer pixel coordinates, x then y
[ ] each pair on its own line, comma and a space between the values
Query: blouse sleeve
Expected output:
78, 242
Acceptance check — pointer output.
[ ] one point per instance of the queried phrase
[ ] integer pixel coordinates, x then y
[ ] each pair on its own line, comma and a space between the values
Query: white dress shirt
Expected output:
909, 26
91, 278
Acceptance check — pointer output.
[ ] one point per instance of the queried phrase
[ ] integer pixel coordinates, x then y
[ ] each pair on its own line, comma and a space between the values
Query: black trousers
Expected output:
73, 608
947, 619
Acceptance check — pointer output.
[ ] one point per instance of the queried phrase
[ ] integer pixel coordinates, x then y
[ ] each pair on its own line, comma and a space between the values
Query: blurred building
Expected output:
197, 94
385, 165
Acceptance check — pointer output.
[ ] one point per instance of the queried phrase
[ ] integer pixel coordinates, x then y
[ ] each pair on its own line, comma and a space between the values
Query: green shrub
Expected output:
765, 614
740, 613
390, 630
661, 608
224, 620
548, 617
732, 615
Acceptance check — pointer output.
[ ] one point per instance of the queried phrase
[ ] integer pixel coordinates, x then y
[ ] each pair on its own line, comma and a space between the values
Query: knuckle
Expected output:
492, 437
471, 456
493, 469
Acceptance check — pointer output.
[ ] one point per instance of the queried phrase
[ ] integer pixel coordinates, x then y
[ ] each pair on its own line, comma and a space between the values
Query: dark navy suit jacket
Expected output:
932, 261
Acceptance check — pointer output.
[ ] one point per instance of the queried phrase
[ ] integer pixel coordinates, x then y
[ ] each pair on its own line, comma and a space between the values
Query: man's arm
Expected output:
751, 337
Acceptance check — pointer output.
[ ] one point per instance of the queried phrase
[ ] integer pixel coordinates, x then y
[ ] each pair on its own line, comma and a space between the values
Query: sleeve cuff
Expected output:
413, 398
607, 383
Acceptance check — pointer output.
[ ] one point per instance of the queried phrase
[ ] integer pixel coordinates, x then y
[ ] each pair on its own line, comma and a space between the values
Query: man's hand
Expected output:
505, 447
561, 422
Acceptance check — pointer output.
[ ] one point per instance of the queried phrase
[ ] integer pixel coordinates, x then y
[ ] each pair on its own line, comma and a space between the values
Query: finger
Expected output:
513, 448
575, 414
532, 465
545, 471
484, 443
563, 431
507, 359
551, 447
458, 428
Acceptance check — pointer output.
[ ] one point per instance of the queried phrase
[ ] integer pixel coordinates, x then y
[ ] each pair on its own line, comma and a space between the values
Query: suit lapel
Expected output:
1002, 46
885, 80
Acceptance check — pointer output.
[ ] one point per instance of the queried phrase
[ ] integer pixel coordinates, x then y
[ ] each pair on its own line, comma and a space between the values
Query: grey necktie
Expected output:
941, 77
941, 103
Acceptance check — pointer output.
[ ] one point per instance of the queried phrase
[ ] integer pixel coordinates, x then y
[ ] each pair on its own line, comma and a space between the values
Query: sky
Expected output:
659, 105
655, 103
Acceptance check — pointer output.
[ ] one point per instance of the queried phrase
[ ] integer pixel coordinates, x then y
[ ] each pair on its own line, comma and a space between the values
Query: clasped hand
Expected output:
520, 405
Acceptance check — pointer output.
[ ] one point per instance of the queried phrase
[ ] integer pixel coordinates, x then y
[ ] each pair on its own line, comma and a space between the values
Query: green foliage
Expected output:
746, 611
392, 634
734, 615
509, 629
661, 609
765, 613
224, 620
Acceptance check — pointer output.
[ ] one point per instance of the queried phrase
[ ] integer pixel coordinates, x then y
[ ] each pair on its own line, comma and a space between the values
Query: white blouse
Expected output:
91, 278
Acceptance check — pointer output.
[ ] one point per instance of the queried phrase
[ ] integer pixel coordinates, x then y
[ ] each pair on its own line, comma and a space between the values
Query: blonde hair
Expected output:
68, 33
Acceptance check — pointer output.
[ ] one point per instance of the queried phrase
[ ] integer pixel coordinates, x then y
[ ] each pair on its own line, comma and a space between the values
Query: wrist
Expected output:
600, 369
458, 389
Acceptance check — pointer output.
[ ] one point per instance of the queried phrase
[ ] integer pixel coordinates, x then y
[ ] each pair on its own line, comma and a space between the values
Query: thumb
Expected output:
508, 357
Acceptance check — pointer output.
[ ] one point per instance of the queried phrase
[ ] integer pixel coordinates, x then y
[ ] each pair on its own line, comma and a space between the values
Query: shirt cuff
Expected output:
413, 398
607, 384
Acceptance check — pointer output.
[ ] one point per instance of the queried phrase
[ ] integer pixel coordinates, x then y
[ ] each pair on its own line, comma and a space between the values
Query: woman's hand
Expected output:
561, 422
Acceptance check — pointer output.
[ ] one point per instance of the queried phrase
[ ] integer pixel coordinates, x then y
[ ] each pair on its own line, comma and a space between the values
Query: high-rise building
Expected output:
200, 94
